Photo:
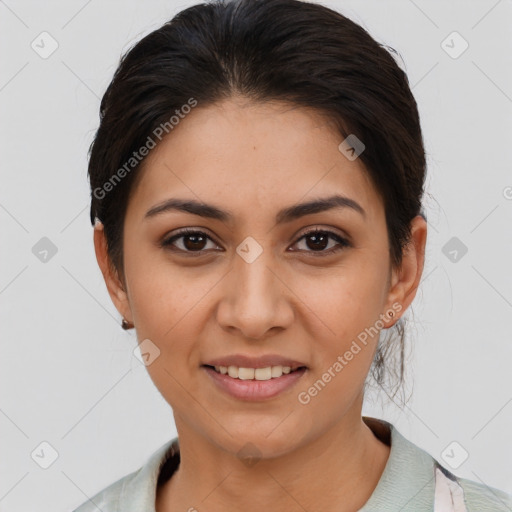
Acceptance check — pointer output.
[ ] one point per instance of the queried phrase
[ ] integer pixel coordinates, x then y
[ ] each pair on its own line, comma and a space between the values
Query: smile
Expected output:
254, 384
270, 372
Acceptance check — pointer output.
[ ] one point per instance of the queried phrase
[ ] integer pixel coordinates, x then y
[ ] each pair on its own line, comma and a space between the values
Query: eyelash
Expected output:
343, 243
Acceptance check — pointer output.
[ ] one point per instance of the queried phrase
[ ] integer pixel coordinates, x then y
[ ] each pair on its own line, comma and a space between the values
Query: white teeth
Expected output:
270, 372
263, 373
277, 371
246, 373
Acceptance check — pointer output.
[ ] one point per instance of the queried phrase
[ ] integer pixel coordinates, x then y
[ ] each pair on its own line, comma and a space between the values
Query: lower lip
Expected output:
254, 390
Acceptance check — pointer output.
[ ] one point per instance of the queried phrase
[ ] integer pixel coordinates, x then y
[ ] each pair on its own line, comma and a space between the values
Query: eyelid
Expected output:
167, 241
321, 229
342, 240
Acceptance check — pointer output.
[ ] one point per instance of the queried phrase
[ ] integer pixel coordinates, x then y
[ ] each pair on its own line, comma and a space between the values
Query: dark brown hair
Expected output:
286, 50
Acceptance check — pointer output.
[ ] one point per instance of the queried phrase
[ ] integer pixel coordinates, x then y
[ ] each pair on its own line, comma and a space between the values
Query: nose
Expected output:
256, 299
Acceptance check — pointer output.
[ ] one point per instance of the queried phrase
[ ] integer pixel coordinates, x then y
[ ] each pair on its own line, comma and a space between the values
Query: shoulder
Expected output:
481, 498
415, 481
109, 498
467, 495
136, 491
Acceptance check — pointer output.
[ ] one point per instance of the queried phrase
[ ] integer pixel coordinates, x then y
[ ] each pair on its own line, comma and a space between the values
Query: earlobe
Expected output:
406, 279
113, 283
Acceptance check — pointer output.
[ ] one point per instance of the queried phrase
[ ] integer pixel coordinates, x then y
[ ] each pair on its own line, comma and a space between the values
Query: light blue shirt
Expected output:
412, 481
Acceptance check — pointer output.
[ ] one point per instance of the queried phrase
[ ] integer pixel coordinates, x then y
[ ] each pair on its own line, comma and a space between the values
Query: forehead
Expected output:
243, 155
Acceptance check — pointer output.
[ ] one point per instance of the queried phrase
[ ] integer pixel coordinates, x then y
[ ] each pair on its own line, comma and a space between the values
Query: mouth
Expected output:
260, 374
254, 384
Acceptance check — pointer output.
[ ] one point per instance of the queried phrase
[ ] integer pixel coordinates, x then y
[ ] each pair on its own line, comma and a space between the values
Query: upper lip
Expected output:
264, 361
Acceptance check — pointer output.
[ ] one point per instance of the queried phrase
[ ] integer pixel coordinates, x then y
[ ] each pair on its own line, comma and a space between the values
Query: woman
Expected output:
256, 185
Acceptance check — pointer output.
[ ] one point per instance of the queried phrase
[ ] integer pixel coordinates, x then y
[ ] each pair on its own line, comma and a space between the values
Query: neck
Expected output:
337, 471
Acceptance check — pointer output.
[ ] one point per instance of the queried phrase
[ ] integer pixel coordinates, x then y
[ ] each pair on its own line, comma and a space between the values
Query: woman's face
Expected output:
252, 284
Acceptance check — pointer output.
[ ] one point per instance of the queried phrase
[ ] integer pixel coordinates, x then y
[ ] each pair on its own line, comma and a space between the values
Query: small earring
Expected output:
126, 325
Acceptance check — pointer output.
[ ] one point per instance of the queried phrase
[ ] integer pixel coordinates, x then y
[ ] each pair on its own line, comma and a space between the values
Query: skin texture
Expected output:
254, 159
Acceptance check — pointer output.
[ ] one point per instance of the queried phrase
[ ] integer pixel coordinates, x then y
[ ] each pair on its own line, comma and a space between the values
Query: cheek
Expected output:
162, 295
345, 336
166, 313
168, 305
347, 301
344, 308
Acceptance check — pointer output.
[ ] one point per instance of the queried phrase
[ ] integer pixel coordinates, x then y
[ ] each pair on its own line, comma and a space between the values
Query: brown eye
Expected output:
317, 240
190, 240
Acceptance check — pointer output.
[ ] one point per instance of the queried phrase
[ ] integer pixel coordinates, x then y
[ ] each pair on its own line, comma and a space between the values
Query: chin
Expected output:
273, 440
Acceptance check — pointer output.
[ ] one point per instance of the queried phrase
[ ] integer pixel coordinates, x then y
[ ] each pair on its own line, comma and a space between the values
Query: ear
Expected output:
115, 287
406, 279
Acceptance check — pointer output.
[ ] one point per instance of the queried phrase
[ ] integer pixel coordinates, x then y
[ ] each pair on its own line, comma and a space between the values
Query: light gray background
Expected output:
68, 375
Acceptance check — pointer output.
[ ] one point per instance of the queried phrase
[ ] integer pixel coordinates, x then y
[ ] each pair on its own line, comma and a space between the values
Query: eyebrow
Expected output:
285, 215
